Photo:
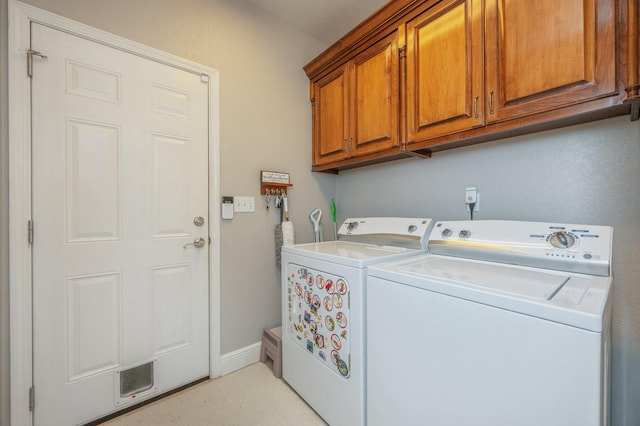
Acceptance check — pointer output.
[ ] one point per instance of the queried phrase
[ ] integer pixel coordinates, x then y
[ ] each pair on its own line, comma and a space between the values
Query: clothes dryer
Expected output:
323, 289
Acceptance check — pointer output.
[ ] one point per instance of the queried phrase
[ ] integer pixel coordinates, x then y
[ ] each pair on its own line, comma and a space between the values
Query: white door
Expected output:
120, 176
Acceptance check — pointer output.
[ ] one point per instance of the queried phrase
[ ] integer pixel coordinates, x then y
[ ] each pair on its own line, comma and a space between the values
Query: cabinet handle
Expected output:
475, 106
344, 144
351, 144
491, 102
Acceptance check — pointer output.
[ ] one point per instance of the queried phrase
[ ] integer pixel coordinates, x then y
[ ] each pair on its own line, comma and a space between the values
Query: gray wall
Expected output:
4, 259
265, 124
587, 174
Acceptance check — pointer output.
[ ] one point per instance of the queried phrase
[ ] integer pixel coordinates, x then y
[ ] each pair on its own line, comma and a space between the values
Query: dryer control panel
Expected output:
574, 248
409, 232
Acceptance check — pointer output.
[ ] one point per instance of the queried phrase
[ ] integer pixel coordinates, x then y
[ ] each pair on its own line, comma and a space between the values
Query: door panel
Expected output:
93, 158
92, 324
172, 307
120, 170
170, 183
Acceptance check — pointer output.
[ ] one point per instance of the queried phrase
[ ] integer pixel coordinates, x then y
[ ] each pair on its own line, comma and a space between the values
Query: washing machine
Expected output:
323, 290
503, 323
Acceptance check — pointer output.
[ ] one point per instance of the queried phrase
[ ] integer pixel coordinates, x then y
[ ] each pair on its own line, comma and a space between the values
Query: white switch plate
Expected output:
244, 204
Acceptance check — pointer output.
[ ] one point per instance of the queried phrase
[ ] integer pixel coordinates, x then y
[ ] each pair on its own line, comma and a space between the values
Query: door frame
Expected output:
21, 16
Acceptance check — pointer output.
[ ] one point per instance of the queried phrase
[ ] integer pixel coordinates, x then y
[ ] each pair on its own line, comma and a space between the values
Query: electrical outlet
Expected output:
470, 194
244, 204
477, 206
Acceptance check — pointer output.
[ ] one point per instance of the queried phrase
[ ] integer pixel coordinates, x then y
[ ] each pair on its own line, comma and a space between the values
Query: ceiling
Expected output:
325, 20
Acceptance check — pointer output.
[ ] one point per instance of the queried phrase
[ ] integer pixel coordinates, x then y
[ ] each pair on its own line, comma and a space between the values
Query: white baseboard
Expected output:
239, 359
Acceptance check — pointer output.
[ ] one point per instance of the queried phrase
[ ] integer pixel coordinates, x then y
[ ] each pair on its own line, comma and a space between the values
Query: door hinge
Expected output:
32, 399
30, 54
30, 232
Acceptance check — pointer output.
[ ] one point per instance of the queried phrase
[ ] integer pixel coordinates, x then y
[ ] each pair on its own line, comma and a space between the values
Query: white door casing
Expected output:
93, 235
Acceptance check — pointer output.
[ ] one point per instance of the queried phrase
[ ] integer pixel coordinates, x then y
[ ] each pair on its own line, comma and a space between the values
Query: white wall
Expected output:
586, 174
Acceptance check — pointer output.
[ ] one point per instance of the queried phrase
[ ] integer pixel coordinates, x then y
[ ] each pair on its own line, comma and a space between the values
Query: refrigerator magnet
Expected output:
342, 287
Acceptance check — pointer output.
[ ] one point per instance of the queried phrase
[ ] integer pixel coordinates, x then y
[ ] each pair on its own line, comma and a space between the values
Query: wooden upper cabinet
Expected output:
421, 76
527, 57
374, 93
444, 70
546, 54
330, 117
355, 107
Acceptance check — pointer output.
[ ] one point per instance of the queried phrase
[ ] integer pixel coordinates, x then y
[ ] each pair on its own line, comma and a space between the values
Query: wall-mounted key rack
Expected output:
274, 183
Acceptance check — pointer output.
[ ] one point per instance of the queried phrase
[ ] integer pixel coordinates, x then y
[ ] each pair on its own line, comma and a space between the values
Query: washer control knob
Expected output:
446, 232
352, 225
562, 240
464, 234
412, 229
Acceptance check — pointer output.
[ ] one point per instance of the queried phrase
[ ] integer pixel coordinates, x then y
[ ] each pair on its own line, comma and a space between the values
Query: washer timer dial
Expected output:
464, 234
562, 240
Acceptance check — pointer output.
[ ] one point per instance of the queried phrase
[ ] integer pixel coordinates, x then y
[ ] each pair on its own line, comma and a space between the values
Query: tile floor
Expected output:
249, 396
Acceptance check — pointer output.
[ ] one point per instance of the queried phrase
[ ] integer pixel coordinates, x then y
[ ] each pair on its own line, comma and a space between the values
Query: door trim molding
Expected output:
21, 16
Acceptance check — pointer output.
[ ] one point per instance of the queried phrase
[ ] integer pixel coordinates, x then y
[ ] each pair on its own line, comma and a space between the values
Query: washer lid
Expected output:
526, 283
577, 300
347, 253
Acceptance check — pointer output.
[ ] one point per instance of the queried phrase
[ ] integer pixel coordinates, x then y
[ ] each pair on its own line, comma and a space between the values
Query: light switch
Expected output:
244, 204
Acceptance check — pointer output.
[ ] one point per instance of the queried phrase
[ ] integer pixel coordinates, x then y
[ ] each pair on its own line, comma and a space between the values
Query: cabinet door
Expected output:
330, 119
374, 96
545, 54
444, 70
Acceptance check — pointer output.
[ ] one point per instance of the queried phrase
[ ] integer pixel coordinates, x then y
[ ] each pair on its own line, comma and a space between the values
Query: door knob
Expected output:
198, 242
